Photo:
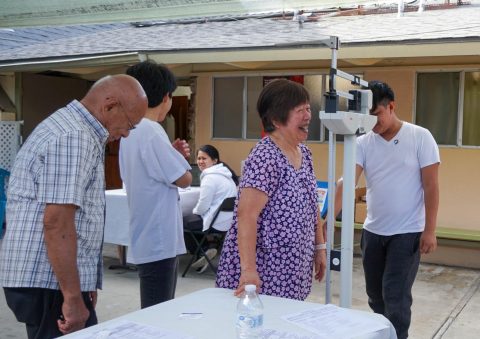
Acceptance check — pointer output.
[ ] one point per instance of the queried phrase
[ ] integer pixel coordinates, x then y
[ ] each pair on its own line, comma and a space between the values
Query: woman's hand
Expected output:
248, 277
250, 205
320, 264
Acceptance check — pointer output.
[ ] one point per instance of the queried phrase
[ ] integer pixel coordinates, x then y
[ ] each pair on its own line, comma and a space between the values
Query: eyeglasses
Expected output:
130, 125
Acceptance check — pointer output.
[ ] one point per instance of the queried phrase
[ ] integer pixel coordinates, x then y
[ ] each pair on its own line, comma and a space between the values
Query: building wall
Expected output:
42, 95
7, 82
459, 183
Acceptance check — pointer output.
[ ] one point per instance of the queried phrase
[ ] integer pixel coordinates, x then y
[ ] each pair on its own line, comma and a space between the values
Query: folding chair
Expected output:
226, 206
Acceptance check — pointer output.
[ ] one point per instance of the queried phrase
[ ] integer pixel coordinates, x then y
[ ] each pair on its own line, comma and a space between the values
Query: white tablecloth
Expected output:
216, 319
117, 216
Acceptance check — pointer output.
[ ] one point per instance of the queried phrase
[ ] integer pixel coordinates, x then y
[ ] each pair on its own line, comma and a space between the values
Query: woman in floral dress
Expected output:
274, 242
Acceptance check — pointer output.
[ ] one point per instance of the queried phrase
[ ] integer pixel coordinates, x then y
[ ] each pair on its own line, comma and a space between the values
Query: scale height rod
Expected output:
331, 189
348, 205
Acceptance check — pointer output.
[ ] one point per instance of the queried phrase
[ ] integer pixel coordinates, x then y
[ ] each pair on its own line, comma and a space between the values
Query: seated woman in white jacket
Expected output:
217, 182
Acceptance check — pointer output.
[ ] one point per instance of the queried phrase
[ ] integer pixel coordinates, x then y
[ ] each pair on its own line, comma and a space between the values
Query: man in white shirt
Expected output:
400, 161
152, 169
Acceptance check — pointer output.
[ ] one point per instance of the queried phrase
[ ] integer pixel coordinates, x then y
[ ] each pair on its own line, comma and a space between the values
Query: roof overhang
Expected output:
189, 62
71, 62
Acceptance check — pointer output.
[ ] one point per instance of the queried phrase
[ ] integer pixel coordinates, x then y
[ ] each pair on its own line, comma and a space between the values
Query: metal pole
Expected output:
346, 256
400, 8
331, 214
331, 193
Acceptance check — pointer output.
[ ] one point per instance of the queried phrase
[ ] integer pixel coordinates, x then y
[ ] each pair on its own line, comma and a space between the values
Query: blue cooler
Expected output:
4, 174
322, 196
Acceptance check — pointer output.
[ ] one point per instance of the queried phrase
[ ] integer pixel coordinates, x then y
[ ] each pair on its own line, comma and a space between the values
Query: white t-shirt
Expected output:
216, 185
395, 203
148, 166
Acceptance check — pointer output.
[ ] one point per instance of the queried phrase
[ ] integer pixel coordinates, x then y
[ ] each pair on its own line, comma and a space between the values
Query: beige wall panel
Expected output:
459, 188
7, 82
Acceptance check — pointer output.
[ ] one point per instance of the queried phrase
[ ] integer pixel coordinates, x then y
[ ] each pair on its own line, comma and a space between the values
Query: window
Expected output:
448, 104
471, 109
254, 123
228, 107
235, 105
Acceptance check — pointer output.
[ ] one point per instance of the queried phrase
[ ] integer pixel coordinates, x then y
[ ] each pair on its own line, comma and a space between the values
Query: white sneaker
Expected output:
199, 263
211, 253
202, 269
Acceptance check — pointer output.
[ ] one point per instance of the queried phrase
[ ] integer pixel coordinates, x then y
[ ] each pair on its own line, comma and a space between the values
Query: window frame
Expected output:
212, 108
460, 105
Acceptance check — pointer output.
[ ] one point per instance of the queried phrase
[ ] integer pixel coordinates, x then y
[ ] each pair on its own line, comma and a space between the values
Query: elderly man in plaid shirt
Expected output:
51, 257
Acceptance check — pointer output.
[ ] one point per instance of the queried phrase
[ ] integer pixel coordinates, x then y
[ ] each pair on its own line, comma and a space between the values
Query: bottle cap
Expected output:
250, 288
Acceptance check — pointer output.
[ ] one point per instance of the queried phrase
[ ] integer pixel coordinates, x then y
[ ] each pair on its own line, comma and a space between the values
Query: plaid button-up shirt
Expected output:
62, 162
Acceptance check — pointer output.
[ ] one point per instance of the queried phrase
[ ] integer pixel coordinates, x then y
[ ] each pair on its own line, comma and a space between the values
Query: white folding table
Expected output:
117, 215
210, 314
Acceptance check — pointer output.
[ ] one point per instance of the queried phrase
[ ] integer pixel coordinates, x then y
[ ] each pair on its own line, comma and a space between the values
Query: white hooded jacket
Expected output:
216, 184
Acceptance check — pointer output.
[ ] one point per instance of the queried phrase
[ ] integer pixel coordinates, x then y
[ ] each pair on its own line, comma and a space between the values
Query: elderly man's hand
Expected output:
75, 315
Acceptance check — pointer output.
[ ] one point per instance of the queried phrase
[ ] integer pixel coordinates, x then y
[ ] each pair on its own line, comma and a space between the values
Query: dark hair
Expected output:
212, 152
277, 99
382, 94
156, 79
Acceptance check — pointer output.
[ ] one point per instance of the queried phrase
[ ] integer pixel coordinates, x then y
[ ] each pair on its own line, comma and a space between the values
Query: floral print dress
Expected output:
285, 227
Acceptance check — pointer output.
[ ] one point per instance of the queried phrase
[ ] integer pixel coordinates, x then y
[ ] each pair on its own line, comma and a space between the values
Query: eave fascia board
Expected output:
66, 62
258, 54
347, 51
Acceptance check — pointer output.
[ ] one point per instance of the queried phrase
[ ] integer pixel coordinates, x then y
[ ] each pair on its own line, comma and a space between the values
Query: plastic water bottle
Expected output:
249, 314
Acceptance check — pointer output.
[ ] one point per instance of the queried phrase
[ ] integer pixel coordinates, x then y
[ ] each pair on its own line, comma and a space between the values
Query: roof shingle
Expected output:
459, 24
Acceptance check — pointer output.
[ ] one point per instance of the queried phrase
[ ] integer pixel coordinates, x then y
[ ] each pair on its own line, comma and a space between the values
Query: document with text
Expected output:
130, 330
330, 321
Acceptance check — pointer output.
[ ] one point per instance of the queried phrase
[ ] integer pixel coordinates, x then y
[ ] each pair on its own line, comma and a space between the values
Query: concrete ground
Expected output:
446, 299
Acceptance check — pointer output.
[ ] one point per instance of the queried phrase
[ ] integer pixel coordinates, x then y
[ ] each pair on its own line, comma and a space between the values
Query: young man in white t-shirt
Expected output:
400, 162
152, 169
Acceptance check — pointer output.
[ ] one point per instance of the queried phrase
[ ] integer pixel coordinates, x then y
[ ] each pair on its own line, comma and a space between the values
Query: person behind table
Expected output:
51, 256
152, 170
274, 241
400, 161
217, 182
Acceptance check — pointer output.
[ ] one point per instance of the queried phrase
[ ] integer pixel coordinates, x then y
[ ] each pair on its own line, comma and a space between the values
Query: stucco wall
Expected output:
7, 82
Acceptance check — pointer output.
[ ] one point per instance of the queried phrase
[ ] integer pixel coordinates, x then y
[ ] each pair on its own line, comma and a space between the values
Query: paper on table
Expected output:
130, 330
330, 321
269, 333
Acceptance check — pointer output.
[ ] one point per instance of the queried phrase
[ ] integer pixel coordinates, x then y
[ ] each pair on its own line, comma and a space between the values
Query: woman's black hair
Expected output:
212, 152
277, 99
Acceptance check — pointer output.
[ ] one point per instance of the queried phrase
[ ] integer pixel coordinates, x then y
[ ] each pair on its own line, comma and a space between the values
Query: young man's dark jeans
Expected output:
158, 281
390, 264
